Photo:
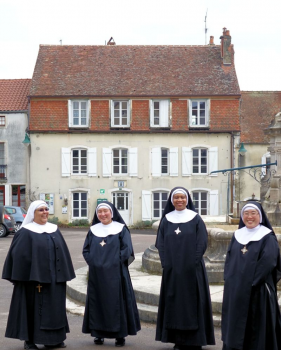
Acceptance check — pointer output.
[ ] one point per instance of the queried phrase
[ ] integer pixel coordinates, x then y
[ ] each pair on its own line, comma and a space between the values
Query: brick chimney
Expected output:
111, 41
226, 47
211, 40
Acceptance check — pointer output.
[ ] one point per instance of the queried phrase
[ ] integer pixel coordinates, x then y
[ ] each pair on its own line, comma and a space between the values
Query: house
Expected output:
13, 154
128, 123
258, 109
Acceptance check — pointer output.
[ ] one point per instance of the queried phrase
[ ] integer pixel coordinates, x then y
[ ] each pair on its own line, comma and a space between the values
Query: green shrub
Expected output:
54, 220
79, 222
142, 224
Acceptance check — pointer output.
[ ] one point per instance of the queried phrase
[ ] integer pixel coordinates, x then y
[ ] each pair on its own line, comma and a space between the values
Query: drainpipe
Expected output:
232, 175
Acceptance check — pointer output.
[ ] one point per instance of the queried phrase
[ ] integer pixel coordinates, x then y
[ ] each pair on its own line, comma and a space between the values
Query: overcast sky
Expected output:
255, 27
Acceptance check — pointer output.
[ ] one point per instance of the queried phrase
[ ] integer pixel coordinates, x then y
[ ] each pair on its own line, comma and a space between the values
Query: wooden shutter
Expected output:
213, 160
186, 161
65, 162
146, 205
133, 161
156, 161
106, 162
92, 162
174, 161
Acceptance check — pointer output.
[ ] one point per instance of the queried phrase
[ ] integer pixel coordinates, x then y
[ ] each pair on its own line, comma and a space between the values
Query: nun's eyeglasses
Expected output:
253, 213
42, 209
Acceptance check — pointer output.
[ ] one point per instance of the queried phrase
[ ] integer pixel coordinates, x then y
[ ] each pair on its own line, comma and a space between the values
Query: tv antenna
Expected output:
206, 29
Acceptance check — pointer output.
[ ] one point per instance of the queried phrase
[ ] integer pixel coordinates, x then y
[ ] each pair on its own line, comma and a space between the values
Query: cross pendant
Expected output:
244, 250
178, 231
39, 288
102, 243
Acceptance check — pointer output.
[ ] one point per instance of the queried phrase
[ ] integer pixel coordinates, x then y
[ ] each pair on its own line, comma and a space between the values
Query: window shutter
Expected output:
129, 112
65, 162
164, 113
106, 161
133, 161
213, 160
156, 161
214, 202
186, 161
92, 162
70, 119
112, 113
208, 112
174, 161
88, 113
151, 112
146, 205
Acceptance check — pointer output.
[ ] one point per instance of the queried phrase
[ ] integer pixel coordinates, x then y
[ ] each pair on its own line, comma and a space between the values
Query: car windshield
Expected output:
10, 210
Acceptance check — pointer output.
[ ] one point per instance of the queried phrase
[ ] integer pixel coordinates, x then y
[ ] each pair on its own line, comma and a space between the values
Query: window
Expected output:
18, 196
159, 113
121, 200
79, 161
159, 202
120, 114
3, 165
199, 161
199, 113
2, 121
79, 205
200, 201
78, 113
164, 161
120, 161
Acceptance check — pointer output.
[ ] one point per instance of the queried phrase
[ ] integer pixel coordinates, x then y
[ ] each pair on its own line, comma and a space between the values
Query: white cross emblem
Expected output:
102, 243
178, 231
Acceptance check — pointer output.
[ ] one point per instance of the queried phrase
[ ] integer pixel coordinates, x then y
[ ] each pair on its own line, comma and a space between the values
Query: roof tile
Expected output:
13, 94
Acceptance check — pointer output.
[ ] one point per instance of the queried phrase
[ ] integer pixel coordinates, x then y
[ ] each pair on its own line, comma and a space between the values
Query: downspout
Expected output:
232, 185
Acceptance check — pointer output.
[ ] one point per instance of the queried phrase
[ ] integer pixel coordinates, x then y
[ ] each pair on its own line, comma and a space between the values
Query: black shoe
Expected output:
98, 341
28, 345
57, 346
120, 342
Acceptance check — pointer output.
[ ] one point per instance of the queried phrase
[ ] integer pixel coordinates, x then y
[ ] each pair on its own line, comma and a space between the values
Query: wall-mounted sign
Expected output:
49, 199
121, 184
102, 191
100, 200
64, 210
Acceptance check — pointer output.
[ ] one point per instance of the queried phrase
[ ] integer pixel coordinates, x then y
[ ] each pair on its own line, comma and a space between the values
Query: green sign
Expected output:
100, 200
102, 191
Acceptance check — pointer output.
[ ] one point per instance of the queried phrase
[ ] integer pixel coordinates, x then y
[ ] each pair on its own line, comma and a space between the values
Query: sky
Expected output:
255, 28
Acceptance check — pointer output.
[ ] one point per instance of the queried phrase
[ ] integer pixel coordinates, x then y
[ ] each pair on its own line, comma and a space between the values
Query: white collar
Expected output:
245, 235
48, 227
101, 230
179, 216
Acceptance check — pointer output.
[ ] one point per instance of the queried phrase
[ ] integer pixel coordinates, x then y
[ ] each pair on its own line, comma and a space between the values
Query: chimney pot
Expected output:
211, 40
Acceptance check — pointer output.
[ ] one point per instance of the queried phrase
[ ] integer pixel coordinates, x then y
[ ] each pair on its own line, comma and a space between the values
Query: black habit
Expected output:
38, 259
250, 311
111, 310
185, 312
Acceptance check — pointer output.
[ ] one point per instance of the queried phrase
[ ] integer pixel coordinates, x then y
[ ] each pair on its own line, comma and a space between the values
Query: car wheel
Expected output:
17, 226
3, 231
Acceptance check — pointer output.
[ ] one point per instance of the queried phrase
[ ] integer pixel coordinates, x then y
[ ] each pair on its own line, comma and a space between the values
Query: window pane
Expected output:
75, 105
116, 105
195, 169
76, 196
156, 196
116, 153
75, 121
75, 153
84, 213
202, 105
83, 195
83, 105
75, 213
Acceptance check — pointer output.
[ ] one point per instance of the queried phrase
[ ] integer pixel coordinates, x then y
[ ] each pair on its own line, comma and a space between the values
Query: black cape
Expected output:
184, 313
250, 311
111, 310
38, 259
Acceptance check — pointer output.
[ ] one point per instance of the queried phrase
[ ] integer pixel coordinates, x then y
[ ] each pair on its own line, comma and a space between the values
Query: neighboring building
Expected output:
128, 123
258, 109
13, 154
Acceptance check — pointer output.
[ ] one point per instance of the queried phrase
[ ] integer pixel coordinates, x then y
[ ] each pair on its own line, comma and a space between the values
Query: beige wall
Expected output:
46, 176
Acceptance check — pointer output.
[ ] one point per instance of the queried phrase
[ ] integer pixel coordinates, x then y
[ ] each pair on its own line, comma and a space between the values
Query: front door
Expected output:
121, 202
2, 195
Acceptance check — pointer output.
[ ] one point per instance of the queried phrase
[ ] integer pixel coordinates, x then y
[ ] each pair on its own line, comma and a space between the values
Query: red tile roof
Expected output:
13, 94
113, 70
258, 108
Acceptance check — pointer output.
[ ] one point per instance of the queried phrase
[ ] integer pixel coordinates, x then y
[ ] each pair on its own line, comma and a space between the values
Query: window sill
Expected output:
79, 127
193, 127
160, 128
120, 128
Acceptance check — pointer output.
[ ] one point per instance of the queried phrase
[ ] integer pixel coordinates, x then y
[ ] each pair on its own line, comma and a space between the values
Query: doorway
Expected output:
121, 202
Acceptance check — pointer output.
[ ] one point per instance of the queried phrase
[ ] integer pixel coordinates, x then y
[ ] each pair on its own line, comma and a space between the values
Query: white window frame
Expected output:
207, 113
199, 160
67, 161
132, 161
200, 200
168, 161
160, 203
164, 113
80, 208
119, 125
79, 161
71, 117
156, 161
120, 161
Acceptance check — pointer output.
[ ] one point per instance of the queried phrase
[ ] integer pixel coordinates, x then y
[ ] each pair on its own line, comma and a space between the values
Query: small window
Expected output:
159, 203
159, 113
78, 113
200, 201
164, 161
198, 112
120, 161
2, 121
120, 114
79, 161
79, 205
199, 160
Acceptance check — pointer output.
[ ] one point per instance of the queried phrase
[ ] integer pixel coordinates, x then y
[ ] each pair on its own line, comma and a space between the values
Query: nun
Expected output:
39, 265
250, 311
185, 312
111, 310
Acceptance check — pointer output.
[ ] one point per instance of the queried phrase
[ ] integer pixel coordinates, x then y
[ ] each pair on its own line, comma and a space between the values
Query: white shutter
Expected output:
70, 119
186, 161
164, 113
156, 161
106, 161
146, 205
214, 203
7, 195
65, 161
133, 161
213, 160
174, 161
92, 162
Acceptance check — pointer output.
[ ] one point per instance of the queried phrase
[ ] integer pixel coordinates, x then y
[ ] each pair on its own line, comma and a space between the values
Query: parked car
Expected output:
7, 222
18, 213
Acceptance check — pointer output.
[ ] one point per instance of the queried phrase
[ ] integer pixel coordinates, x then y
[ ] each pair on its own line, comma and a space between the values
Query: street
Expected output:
76, 339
